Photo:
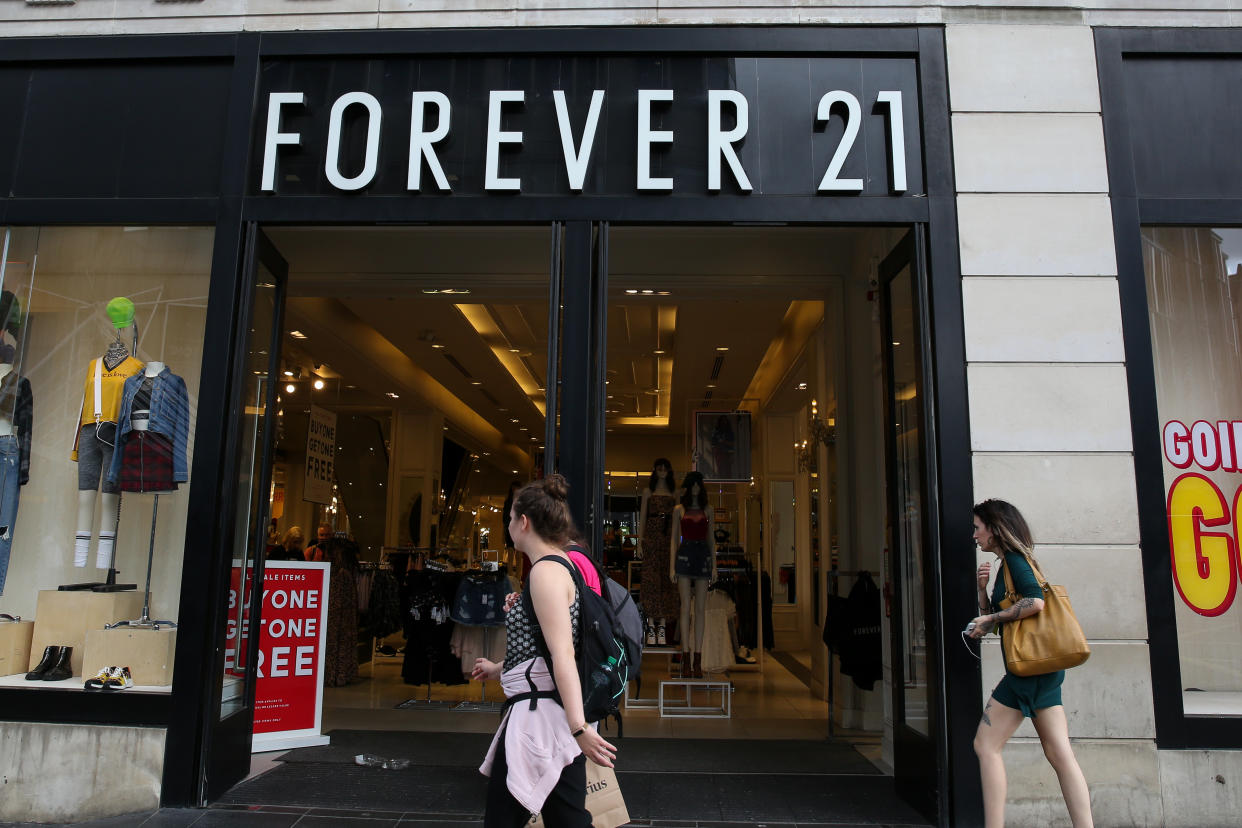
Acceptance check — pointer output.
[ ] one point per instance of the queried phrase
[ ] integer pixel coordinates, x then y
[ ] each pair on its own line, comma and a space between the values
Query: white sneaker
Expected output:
118, 679
661, 639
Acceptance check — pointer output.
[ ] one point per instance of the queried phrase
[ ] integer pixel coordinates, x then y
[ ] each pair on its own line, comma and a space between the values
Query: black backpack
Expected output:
607, 654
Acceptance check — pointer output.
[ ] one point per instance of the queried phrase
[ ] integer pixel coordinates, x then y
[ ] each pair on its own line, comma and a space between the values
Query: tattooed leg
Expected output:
986, 719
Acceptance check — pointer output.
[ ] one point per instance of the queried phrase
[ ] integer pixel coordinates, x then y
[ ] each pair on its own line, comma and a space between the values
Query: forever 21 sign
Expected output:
589, 126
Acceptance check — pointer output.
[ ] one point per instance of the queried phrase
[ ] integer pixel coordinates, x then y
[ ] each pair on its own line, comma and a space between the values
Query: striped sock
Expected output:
103, 554
81, 546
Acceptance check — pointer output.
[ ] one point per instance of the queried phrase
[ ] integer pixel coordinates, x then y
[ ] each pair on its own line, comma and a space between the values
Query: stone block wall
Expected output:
63, 773
1049, 406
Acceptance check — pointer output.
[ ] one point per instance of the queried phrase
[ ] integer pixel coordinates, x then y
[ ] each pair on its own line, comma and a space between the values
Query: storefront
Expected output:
748, 251
1176, 212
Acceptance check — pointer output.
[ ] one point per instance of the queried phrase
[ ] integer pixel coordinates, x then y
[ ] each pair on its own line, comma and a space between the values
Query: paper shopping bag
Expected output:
603, 799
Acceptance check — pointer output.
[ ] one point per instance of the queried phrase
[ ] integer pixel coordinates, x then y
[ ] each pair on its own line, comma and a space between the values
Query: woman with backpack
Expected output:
535, 762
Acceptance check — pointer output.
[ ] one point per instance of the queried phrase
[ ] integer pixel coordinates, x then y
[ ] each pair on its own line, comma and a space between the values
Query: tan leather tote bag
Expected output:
1051, 639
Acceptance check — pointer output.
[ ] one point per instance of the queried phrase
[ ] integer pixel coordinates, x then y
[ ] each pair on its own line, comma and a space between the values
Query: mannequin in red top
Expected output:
692, 565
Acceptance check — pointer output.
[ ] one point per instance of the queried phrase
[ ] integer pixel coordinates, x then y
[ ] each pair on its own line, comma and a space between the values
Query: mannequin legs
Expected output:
86, 526
700, 610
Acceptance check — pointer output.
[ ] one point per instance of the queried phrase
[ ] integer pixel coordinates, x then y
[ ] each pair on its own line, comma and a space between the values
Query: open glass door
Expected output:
229, 738
915, 679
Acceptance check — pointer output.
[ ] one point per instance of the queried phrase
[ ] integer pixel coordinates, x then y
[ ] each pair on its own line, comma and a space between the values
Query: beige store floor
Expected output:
773, 704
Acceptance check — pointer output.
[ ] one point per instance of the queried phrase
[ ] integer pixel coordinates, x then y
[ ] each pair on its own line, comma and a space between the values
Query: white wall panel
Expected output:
1048, 408
1067, 498
1042, 319
1022, 68
1036, 235
1029, 153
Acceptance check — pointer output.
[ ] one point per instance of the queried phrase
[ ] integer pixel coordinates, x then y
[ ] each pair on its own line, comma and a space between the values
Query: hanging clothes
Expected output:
429, 629
340, 660
862, 649
469, 643
717, 642
480, 599
384, 614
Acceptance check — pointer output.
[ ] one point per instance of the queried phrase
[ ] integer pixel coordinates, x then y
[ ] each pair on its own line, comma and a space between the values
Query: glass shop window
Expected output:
1194, 294
101, 341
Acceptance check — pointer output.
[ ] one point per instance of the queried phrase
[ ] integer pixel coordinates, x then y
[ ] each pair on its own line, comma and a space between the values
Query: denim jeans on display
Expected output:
10, 488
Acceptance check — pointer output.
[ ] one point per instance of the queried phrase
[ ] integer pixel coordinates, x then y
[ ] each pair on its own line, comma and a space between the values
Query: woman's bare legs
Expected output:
997, 724
1053, 730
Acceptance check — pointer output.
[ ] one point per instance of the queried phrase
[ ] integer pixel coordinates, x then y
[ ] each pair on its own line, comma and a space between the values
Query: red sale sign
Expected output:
288, 702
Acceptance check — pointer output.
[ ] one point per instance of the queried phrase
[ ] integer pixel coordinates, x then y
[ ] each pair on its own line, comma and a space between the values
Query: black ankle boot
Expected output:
63, 668
50, 654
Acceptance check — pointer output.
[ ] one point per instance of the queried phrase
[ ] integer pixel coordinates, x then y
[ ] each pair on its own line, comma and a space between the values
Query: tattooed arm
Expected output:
1022, 608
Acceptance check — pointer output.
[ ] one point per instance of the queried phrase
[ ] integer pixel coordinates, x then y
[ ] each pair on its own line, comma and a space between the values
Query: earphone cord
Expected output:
966, 642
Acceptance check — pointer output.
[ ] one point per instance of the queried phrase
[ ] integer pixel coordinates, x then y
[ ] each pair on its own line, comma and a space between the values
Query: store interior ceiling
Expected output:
455, 318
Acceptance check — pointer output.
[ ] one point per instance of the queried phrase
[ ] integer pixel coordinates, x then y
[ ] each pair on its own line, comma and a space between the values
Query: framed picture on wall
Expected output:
722, 445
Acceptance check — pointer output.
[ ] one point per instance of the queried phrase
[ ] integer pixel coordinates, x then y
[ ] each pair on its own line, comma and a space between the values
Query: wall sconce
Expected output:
821, 431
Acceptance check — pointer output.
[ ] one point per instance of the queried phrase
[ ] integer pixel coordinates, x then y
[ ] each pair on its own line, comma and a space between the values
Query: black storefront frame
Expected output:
206, 558
1132, 210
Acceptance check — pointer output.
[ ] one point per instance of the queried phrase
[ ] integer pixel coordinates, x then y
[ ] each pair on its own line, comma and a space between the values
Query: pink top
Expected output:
538, 744
587, 567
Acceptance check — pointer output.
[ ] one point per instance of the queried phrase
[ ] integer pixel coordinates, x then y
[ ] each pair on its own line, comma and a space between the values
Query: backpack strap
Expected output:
541, 646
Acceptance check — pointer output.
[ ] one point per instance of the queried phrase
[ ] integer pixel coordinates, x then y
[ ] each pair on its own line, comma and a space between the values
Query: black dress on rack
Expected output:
429, 629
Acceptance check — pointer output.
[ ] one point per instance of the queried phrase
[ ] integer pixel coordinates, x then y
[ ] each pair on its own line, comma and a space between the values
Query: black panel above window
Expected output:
119, 130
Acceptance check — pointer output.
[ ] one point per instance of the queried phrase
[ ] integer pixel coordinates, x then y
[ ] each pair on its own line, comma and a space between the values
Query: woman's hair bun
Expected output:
557, 486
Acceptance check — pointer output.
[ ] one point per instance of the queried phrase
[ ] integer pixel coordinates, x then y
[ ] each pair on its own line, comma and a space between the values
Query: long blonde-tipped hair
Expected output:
1007, 525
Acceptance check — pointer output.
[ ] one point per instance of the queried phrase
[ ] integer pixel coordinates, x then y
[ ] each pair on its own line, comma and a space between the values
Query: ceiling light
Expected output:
802, 386
290, 388
533, 439
438, 346
658, 352
523, 428
662, 292
513, 419
647, 291
288, 373
515, 350
722, 347
318, 385
896, 343
394, 395
431, 290
297, 334
476, 382
631, 291
711, 385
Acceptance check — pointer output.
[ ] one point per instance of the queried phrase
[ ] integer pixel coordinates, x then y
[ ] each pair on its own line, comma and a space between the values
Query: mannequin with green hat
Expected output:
95, 439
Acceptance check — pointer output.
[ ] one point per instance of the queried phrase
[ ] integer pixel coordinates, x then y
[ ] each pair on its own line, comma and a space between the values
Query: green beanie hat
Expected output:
121, 312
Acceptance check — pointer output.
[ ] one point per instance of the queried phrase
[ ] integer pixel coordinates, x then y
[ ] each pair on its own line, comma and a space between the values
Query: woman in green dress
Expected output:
1001, 530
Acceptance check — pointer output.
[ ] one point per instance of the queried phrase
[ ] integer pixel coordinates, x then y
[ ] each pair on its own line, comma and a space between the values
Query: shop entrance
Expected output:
718, 397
